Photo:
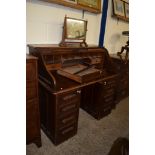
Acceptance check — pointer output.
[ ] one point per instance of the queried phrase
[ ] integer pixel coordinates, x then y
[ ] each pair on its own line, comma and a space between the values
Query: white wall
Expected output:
114, 39
45, 20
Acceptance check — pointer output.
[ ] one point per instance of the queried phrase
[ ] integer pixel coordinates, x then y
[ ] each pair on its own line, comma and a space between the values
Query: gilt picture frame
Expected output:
126, 7
71, 1
118, 8
90, 3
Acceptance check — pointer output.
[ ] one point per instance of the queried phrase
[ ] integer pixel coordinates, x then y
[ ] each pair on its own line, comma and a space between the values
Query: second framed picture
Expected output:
126, 5
118, 8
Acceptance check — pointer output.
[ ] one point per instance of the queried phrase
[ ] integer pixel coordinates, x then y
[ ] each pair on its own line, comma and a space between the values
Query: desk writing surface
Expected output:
73, 69
64, 84
80, 73
30, 57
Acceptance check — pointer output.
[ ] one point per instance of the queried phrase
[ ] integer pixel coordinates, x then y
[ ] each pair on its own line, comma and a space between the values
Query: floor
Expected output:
94, 137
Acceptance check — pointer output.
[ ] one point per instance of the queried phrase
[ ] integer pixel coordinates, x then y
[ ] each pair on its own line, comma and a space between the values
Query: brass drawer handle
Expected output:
68, 130
69, 107
105, 83
78, 91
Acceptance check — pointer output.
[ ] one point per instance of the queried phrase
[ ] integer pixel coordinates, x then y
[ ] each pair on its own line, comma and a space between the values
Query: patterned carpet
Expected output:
94, 137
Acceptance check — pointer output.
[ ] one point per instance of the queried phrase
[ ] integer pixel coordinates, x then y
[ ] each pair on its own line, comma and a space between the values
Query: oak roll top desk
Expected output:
69, 78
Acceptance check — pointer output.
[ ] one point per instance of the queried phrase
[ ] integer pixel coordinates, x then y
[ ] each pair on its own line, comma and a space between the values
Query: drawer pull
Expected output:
69, 107
68, 130
105, 83
67, 119
78, 91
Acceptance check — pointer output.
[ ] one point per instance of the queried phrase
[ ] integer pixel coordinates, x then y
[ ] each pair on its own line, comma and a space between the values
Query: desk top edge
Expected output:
57, 46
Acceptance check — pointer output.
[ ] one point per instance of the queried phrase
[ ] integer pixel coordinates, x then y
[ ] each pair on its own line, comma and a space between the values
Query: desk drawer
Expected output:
70, 107
69, 96
68, 119
68, 102
65, 133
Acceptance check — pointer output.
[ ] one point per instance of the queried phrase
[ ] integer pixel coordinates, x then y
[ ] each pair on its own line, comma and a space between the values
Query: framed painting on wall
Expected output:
118, 8
90, 3
126, 5
71, 1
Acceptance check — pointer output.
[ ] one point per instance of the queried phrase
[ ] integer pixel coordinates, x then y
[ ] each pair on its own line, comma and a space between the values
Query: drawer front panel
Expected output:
68, 103
108, 99
31, 71
66, 132
31, 90
104, 109
69, 107
69, 96
109, 91
104, 103
67, 120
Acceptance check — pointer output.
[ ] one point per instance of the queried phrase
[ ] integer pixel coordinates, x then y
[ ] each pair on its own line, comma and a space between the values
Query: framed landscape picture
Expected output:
90, 3
74, 31
118, 8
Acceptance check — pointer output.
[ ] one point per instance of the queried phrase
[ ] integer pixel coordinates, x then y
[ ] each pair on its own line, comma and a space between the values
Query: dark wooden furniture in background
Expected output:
81, 6
32, 105
60, 95
121, 65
